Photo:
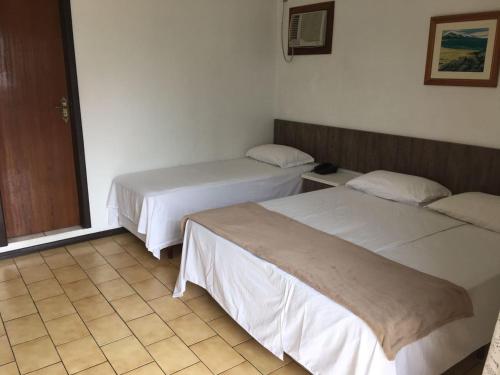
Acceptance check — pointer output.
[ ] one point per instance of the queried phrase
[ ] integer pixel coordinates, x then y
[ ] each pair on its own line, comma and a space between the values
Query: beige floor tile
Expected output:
229, 330
101, 241
57, 369
148, 261
102, 369
55, 307
8, 272
125, 238
291, 369
244, 369
70, 274
206, 308
25, 329
29, 260
136, 249
9, 369
36, 273
167, 275
66, 329
151, 289
93, 308
80, 354
135, 274
56, 251
191, 329
36, 354
121, 260
126, 355
260, 357
193, 291
12, 288
150, 369
150, 329
109, 248
197, 369
202, 329
80, 290
115, 289
6, 355
45, 289
217, 355
90, 260
169, 308
17, 307
60, 261
102, 273
131, 307
172, 355
3, 262
108, 329
2, 328
80, 249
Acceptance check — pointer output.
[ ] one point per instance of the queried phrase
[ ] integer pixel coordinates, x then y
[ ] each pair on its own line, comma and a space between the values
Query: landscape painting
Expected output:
464, 50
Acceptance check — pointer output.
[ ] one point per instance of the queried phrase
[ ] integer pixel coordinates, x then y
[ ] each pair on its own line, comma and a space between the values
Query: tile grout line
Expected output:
109, 302
192, 312
166, 322
115, 311
45, 326
136, 258
10, 345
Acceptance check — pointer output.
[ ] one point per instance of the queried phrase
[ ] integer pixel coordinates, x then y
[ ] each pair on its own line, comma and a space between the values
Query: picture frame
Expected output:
464, 50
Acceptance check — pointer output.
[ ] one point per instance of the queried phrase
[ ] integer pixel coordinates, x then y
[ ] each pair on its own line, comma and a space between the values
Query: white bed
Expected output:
318, 333
151, 204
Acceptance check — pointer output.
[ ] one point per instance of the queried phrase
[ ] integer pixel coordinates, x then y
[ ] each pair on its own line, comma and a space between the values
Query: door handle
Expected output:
64, 109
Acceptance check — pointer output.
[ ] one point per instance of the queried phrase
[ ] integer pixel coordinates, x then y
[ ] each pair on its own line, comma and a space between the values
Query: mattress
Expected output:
151, 204
323, 336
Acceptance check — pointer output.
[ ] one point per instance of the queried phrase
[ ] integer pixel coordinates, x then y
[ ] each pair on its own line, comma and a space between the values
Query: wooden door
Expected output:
38, 183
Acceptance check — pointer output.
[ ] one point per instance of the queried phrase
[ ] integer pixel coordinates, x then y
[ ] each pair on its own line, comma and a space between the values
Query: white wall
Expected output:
168, 82
374, 78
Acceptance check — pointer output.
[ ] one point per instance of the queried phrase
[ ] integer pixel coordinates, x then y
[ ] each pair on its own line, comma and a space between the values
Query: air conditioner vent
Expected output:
308, 29
294, 28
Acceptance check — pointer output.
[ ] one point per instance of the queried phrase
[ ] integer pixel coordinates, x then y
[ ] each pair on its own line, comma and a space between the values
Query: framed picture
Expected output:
464, 50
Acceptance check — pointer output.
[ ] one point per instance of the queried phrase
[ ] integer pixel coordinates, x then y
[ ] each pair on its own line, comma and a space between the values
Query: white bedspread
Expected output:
152, 203
286, 315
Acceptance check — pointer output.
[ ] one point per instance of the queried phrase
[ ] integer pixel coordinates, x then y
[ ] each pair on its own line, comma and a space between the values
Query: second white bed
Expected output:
151, 204
286, 315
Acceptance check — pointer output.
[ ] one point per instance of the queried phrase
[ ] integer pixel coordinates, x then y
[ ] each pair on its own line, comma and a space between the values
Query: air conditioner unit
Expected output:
308, 29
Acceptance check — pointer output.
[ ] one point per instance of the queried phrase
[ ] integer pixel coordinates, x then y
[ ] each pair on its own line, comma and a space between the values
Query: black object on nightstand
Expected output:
325, 168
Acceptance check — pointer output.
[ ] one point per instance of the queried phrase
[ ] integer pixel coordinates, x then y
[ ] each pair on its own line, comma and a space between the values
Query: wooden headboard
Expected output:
459, 167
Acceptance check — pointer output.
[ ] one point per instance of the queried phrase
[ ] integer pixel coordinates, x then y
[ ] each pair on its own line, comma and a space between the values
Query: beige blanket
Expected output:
398, 303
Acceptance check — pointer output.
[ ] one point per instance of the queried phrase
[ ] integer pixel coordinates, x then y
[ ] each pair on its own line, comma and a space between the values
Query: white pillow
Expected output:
480, 209
282, 156
399, 187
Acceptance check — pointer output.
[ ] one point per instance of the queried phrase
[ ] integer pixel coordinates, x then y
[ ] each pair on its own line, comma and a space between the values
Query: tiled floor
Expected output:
105, 307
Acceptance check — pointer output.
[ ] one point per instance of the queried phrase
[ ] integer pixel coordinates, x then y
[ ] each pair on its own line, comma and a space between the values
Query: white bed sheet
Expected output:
289, 316
151, 204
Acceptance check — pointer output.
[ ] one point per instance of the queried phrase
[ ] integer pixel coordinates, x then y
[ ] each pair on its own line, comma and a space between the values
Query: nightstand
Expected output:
313, 181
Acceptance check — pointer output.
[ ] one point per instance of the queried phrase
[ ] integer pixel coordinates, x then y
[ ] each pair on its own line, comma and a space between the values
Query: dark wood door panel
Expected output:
37, 166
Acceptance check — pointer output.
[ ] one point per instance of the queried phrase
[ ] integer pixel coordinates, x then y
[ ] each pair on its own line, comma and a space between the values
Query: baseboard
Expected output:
61, 243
